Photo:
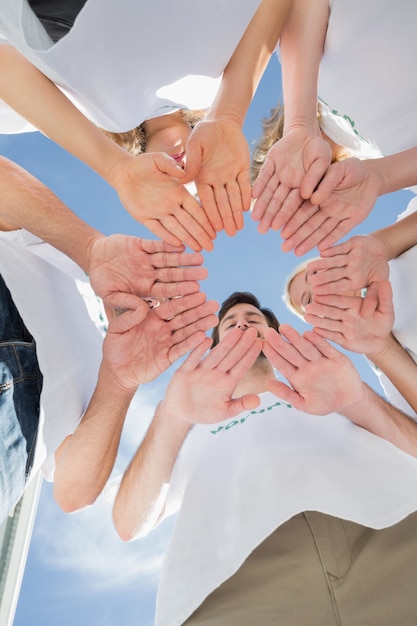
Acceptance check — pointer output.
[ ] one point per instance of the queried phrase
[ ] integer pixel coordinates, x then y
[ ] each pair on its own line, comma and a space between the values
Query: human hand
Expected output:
342, 200
218, 159
123, 269
201, 389
349, 266
140, 344
321, 379
293, 168
340, 319
149, 188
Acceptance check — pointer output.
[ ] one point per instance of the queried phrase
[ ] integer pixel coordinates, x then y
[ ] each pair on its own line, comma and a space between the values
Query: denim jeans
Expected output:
20, 388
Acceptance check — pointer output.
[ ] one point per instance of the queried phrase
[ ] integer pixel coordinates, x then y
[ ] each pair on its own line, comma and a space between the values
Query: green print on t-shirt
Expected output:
242, 420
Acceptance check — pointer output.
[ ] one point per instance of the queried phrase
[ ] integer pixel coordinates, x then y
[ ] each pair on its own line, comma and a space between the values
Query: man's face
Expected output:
243, 316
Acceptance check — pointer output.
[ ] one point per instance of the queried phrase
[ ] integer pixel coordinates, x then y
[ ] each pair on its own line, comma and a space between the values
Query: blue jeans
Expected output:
20, 389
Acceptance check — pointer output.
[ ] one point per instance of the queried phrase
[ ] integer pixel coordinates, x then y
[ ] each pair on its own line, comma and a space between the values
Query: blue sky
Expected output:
77, 570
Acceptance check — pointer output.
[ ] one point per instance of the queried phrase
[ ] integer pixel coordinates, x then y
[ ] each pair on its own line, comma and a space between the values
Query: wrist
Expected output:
385, 353
119, 388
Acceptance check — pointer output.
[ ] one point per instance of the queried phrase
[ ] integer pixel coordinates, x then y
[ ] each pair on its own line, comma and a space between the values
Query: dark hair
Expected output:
134, 141
243, 297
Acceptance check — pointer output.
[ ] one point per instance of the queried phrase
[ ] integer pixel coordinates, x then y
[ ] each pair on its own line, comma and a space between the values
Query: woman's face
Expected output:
300, 291
169, 134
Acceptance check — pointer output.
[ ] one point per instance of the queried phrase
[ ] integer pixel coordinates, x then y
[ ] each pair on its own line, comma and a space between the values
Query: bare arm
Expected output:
121, 268
298, 161
345, 197
148, 185
217, 152
339, 319
200, 389
139, 346
323, 380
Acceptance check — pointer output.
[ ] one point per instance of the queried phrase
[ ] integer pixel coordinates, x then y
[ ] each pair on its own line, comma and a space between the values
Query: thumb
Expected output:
193, 159
167, 165
245, 403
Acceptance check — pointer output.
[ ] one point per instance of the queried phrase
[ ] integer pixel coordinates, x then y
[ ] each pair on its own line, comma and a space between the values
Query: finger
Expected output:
167, 165
332, 287
208, 201
307, 220
313, 176
190, 225
273, 212
225, 210
195, 337
193, 161
197, 353
266, 173
160, 231
271, 189
245, 403
328, 324
165, 259
343, 228
329, 335
290, 206
302, 242
321, 237
235, 202
174, 224
323, 346
290, 345
156, 247
340, 249
197, 213
284, 392
201, 317
328, 184
230, 349
243, 180
170, 308
319, 267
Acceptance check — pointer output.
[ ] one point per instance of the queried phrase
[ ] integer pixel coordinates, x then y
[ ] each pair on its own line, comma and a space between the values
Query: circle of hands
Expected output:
298, 191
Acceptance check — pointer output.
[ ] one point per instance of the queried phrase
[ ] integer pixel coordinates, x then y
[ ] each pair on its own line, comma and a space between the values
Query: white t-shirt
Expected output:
125, 61
237, 481
368, 68
60, 310
402, 277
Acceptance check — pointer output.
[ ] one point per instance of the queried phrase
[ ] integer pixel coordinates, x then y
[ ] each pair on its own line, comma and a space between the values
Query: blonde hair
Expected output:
135, 140
272, 131
286, 296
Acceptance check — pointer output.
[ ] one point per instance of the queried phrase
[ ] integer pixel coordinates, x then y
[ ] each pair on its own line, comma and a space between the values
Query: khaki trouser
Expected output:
318, 570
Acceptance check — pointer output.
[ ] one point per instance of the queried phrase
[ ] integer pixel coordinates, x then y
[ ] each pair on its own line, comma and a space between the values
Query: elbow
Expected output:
125, 530
73, 500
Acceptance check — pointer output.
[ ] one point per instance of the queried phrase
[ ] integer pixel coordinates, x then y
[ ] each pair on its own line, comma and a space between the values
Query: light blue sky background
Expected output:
77, 570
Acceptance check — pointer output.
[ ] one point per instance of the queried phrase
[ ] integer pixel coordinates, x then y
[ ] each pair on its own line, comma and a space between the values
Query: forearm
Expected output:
396, 171
247, 64
399, 367
301, 49
374, 414
85, 459
141, 498
29, 92
400, 236
28, 203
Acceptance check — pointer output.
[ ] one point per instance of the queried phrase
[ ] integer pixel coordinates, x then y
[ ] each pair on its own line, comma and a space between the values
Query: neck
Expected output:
255, 381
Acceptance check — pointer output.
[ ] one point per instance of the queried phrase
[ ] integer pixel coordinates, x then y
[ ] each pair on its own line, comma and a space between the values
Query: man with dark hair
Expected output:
243, 297
296, 502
